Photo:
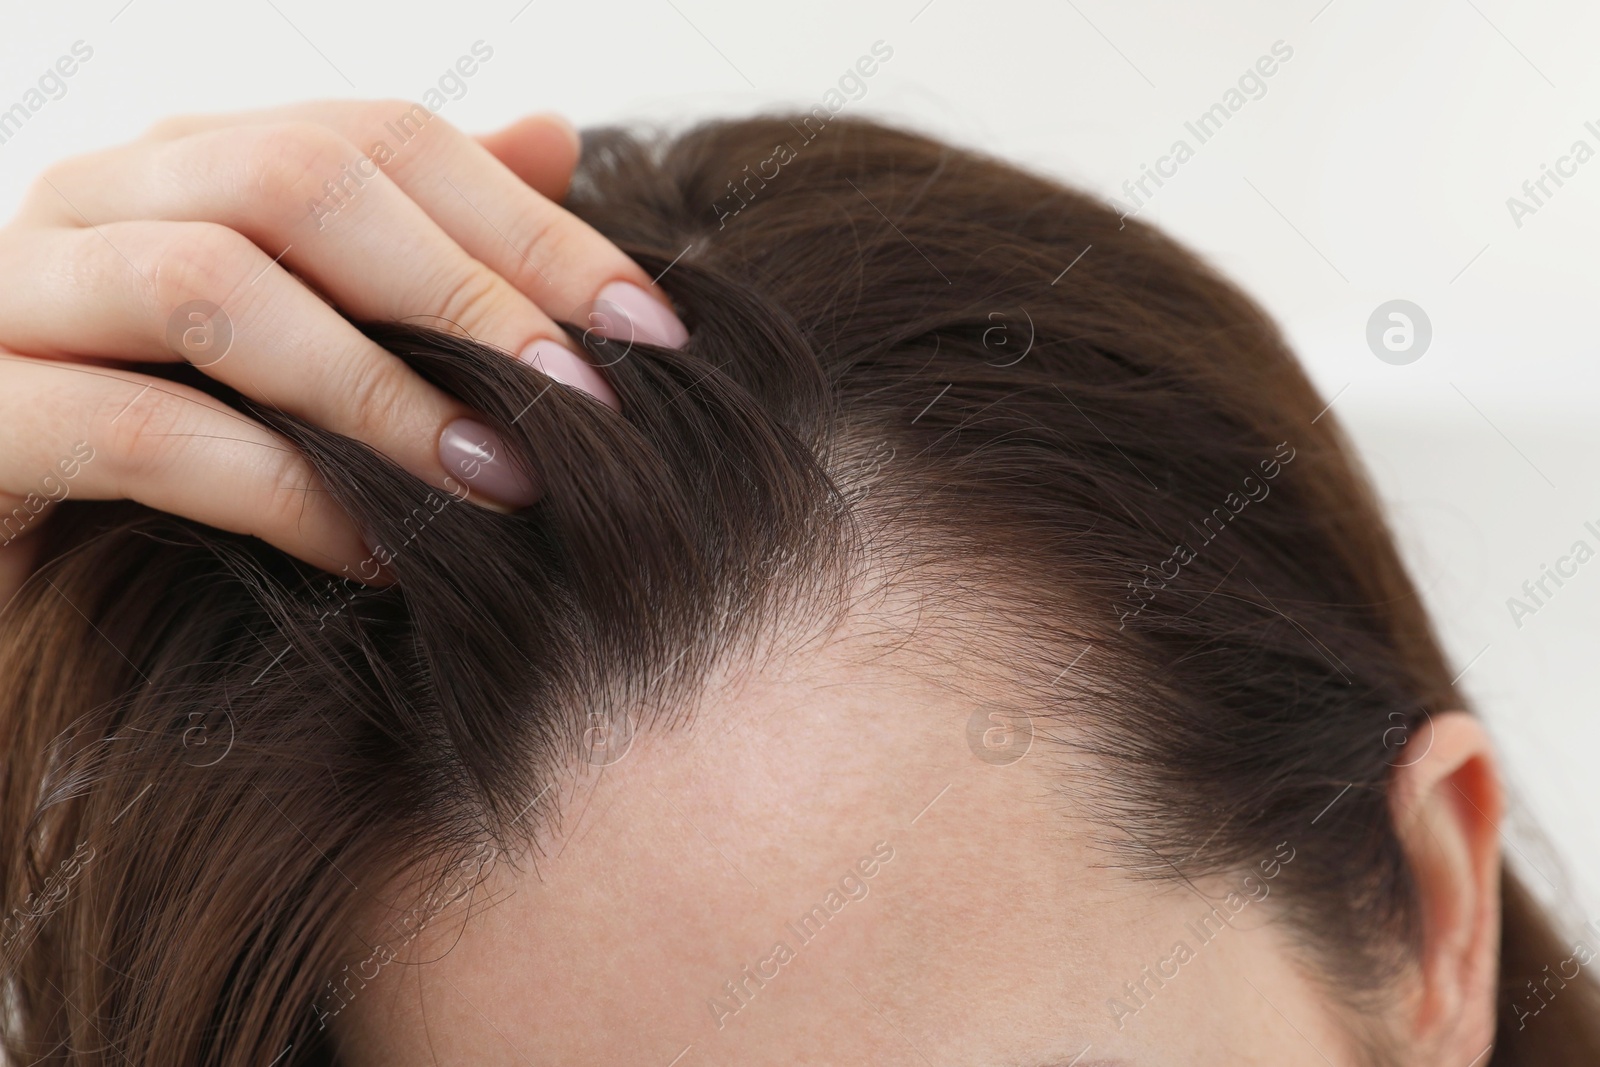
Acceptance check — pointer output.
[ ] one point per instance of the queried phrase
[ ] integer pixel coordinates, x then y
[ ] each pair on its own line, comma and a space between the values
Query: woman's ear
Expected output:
1447, 805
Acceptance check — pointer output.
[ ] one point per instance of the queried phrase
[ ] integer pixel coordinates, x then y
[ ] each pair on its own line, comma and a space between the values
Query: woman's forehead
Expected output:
802, 840
799, 890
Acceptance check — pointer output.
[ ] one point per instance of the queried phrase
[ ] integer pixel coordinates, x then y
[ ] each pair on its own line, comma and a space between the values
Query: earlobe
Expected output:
1447, 807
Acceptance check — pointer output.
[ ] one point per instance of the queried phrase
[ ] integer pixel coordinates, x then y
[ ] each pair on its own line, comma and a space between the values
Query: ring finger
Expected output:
134, 287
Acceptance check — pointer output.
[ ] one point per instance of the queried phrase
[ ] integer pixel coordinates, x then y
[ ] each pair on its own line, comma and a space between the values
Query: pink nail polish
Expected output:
647, 319
474, 453
375, 550
569, 368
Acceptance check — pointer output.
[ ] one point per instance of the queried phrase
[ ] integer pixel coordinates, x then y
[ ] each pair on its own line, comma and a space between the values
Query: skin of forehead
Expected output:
997, 934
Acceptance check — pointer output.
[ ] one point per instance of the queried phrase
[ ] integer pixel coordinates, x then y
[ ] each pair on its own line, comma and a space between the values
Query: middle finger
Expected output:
375, 253
561, 262
246, 322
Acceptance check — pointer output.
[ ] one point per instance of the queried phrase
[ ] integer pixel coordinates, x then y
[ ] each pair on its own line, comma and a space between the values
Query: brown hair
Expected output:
218, 763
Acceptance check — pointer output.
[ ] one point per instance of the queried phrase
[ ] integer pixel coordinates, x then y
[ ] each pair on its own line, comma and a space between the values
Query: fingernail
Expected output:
373, 570
649, 320
374, 547
569, 368
475, 454
378, 554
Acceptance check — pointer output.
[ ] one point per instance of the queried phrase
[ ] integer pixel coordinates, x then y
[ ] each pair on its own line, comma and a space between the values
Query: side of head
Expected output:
975, 645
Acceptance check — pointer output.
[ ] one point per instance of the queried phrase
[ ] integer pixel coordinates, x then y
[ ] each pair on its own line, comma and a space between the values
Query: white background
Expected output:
1377, 166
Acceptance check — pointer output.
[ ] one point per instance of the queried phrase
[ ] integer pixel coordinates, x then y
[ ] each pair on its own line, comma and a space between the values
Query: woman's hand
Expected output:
218, 239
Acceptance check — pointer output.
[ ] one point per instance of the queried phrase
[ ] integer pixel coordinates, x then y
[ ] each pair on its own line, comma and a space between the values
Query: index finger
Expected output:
541, 149
564, 265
